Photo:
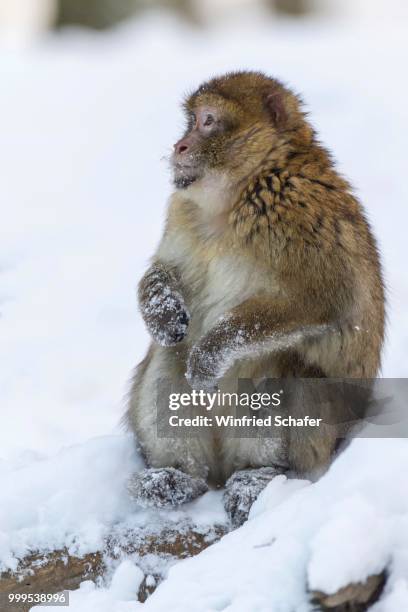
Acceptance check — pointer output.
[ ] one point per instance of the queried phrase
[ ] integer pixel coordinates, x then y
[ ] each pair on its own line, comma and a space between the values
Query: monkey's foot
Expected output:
164, 487
243, 488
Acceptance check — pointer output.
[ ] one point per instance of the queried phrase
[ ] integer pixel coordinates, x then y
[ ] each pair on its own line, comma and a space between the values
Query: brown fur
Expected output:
294, 226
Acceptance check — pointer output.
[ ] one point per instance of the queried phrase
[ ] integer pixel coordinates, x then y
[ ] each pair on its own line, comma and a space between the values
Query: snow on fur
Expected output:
83, 208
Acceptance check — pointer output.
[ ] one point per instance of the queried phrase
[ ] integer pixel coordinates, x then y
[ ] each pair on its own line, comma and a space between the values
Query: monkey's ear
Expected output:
275, 105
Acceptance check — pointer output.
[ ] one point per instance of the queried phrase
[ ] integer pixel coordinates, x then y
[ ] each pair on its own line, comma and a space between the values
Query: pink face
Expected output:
205, 122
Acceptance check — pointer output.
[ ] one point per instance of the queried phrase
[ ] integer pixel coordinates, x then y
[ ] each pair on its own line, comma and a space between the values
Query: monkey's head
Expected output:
234, 123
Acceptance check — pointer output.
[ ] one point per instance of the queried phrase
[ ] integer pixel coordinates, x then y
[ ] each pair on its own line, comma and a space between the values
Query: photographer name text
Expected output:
245, 421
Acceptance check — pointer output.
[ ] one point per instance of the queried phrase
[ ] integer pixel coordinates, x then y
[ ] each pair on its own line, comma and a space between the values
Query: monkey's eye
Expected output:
209, 120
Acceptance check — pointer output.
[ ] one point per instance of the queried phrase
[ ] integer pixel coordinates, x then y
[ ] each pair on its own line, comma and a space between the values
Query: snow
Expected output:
349, 525
79, 496
126, 580
86, 122
59, 513
114, 598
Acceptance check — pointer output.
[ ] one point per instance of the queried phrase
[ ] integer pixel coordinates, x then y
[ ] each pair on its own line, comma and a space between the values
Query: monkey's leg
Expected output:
164, 487
162, 305
257, 326
243, 488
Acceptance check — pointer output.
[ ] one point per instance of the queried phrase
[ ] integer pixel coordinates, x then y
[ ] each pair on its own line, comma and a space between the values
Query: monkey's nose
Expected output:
181, 147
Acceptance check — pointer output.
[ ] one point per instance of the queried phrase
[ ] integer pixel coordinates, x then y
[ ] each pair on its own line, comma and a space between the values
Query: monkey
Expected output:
267, 268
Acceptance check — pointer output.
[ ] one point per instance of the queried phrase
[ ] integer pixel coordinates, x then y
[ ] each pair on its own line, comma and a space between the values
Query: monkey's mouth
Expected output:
185, 175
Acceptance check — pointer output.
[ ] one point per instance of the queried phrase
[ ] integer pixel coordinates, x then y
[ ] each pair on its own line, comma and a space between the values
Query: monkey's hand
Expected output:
164, 487
162, 306
216, 352
256, 326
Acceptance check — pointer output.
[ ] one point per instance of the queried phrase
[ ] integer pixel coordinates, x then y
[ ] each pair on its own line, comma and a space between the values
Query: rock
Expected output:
352, 598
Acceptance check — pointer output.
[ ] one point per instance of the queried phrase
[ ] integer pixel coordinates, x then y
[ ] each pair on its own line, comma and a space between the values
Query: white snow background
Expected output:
85, 124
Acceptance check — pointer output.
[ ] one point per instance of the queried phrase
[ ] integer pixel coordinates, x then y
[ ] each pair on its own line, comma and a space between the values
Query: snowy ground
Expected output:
85, 122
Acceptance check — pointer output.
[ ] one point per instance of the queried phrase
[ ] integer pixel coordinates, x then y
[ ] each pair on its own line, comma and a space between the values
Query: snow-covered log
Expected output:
58, 571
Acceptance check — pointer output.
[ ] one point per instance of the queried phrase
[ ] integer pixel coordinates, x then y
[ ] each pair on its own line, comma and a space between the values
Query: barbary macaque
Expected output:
267, 269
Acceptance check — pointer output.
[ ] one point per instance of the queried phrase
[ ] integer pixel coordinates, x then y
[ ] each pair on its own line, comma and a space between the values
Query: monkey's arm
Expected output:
258, 325
162, 305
